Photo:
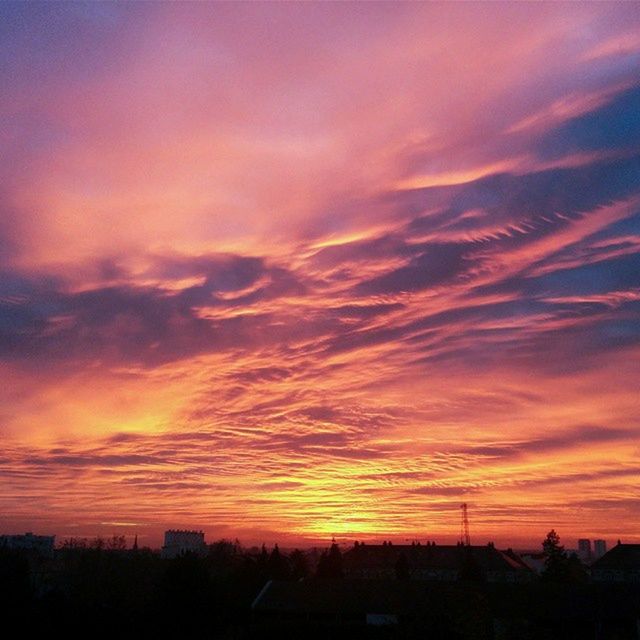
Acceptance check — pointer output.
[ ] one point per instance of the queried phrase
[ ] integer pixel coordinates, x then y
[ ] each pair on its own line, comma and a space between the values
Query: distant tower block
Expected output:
465, 539
599, 548
178, 542
584, 549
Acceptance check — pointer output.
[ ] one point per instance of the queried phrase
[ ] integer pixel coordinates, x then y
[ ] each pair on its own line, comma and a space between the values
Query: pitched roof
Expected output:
621, 557
345, 596
432, 557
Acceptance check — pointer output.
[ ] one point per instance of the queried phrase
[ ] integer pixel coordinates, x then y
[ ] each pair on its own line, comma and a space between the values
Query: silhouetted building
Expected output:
584, 549
344, 608
41, 545
619, 564
446, 563
535, 560
599, 548
353, 602
178, 542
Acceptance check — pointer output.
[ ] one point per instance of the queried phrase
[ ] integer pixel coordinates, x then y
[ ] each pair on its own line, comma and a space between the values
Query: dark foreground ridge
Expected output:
426, 591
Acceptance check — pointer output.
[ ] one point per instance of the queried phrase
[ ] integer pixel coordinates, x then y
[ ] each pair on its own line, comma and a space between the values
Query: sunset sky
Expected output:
289, 271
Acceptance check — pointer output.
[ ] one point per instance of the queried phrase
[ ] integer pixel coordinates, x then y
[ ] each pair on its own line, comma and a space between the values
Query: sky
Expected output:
284, 271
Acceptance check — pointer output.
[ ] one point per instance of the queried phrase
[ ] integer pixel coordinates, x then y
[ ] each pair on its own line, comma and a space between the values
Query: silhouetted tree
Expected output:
335, 560
116, 543
74, 543
576, 571
556, 565
330, 564
277, 568
322, 570
299, 565
97, 543
222, 551
264, 555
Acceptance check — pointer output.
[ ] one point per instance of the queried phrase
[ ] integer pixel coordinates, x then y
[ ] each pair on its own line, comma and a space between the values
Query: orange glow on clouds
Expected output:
294, 271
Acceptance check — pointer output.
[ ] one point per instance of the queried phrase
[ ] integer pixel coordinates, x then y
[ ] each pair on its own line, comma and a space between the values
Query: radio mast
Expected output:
464, 526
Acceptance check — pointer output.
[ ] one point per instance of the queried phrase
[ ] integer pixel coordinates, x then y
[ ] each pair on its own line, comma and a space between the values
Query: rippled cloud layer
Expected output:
290, 271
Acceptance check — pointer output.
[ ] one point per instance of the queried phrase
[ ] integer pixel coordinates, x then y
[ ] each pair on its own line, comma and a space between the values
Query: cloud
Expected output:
273, 281
136, 323
572, 438
89, 460
262, 374
438, 264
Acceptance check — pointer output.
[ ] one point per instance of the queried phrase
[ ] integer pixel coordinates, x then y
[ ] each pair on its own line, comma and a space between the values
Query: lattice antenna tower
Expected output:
464, 526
